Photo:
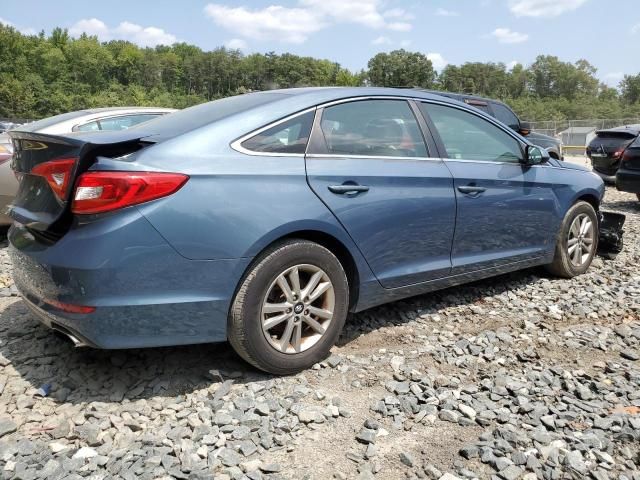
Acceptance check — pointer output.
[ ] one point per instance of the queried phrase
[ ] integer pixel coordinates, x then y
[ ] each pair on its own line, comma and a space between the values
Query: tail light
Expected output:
617, 153
98, 192
58, 174
70, 308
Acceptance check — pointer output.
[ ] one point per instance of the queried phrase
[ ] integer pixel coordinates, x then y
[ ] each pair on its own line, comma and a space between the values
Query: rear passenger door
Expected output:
507, 211
369, 163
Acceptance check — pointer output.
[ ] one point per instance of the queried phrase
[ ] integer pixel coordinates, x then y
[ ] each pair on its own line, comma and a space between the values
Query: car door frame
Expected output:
522, 142
317, 143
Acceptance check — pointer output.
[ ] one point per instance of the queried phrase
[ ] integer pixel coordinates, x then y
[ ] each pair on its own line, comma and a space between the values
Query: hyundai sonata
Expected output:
263, 219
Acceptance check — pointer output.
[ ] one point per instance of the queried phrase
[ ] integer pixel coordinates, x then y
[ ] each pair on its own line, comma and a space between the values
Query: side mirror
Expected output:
535, 155
525, 129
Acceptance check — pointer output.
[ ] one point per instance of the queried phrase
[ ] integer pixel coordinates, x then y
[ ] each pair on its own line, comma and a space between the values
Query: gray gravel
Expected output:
519, 377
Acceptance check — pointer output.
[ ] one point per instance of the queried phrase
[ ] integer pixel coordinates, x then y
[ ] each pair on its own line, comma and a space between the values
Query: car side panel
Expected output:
237, 205
144, 292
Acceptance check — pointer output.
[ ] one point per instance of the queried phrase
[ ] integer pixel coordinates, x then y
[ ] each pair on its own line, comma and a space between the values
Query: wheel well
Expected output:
591, 199
336, 247
554, 155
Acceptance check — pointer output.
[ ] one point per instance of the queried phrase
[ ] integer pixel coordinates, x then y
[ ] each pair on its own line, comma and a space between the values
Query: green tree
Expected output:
630, 89
401, 69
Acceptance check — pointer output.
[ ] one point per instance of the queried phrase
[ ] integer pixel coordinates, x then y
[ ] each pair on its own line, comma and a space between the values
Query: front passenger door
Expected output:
507, 211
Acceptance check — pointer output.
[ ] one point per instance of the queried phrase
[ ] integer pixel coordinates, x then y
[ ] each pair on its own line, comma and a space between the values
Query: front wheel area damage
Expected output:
610, 242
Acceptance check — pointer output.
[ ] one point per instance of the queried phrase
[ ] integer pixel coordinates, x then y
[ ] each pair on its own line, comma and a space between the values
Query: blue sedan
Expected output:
265, 218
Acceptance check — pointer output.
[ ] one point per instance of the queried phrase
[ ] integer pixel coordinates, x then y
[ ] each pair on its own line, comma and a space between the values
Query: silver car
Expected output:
96, 119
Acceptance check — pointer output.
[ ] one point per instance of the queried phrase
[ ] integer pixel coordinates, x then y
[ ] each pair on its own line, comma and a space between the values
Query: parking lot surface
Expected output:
520, 376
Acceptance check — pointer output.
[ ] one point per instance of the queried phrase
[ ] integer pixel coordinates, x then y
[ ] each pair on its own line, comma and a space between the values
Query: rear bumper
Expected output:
144, 293
628, 180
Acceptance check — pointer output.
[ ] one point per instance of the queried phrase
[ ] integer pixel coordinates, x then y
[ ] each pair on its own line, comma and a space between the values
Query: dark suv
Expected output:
608, 147
503, 112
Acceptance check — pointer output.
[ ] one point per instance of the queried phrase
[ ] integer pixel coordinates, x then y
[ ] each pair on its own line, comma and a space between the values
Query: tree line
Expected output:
43, 75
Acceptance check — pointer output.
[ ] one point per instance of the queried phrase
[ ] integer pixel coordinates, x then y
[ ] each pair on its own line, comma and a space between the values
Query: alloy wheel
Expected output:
580, 240
297, 308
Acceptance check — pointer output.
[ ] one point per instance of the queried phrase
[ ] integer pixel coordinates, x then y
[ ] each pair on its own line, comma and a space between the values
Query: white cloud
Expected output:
236, 44
296, 24
443, 12
399, 13
382, 40
635, 29
437, 60
143, 36
512, 64
543, 8
613, 79
24, 31
90, 26
399, 26
291, 25
506, 35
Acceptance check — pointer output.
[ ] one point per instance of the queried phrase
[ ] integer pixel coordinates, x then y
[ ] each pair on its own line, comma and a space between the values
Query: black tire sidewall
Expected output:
262, 353
562, 246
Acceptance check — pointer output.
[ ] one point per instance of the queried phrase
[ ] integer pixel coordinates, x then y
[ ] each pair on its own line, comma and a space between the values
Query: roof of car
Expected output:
336, 93
117, 109
631, 129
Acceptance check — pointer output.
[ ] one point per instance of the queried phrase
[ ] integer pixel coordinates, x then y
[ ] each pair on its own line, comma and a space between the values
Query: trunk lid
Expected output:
47, 167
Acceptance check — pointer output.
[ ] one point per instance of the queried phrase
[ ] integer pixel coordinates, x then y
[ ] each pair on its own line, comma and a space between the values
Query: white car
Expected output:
90, 120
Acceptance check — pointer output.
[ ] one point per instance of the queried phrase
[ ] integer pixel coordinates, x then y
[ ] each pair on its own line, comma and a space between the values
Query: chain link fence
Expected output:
576, 134
555, 127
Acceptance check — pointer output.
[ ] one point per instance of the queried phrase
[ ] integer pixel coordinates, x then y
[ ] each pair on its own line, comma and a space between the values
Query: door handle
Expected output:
347, 189
471, 190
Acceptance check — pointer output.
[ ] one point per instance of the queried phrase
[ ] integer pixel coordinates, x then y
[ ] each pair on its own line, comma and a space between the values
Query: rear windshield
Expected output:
47, 122
612, 139
189, 119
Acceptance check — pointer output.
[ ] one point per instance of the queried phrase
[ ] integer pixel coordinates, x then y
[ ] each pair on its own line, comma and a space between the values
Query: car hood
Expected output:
533, 136
572, 166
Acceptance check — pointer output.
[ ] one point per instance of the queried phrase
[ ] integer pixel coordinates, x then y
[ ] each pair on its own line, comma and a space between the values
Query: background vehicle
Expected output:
628, 175
264, 218
503, 112
607, 149
117, 118
4, 126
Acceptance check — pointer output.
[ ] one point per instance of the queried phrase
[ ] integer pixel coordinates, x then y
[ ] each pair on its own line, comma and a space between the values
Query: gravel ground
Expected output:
521, 376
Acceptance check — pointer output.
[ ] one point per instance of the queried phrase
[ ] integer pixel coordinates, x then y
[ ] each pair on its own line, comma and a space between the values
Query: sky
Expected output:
605, 32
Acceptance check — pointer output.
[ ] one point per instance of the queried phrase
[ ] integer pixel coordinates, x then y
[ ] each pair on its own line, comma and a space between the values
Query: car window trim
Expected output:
237, 144
489, 119
432, 131
317, 140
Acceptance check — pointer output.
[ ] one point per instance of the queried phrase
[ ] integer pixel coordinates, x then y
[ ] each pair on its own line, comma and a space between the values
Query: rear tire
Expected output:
290, 308
577, 241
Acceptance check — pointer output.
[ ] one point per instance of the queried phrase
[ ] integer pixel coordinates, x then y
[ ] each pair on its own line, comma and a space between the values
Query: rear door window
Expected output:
377, 128
290, 136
